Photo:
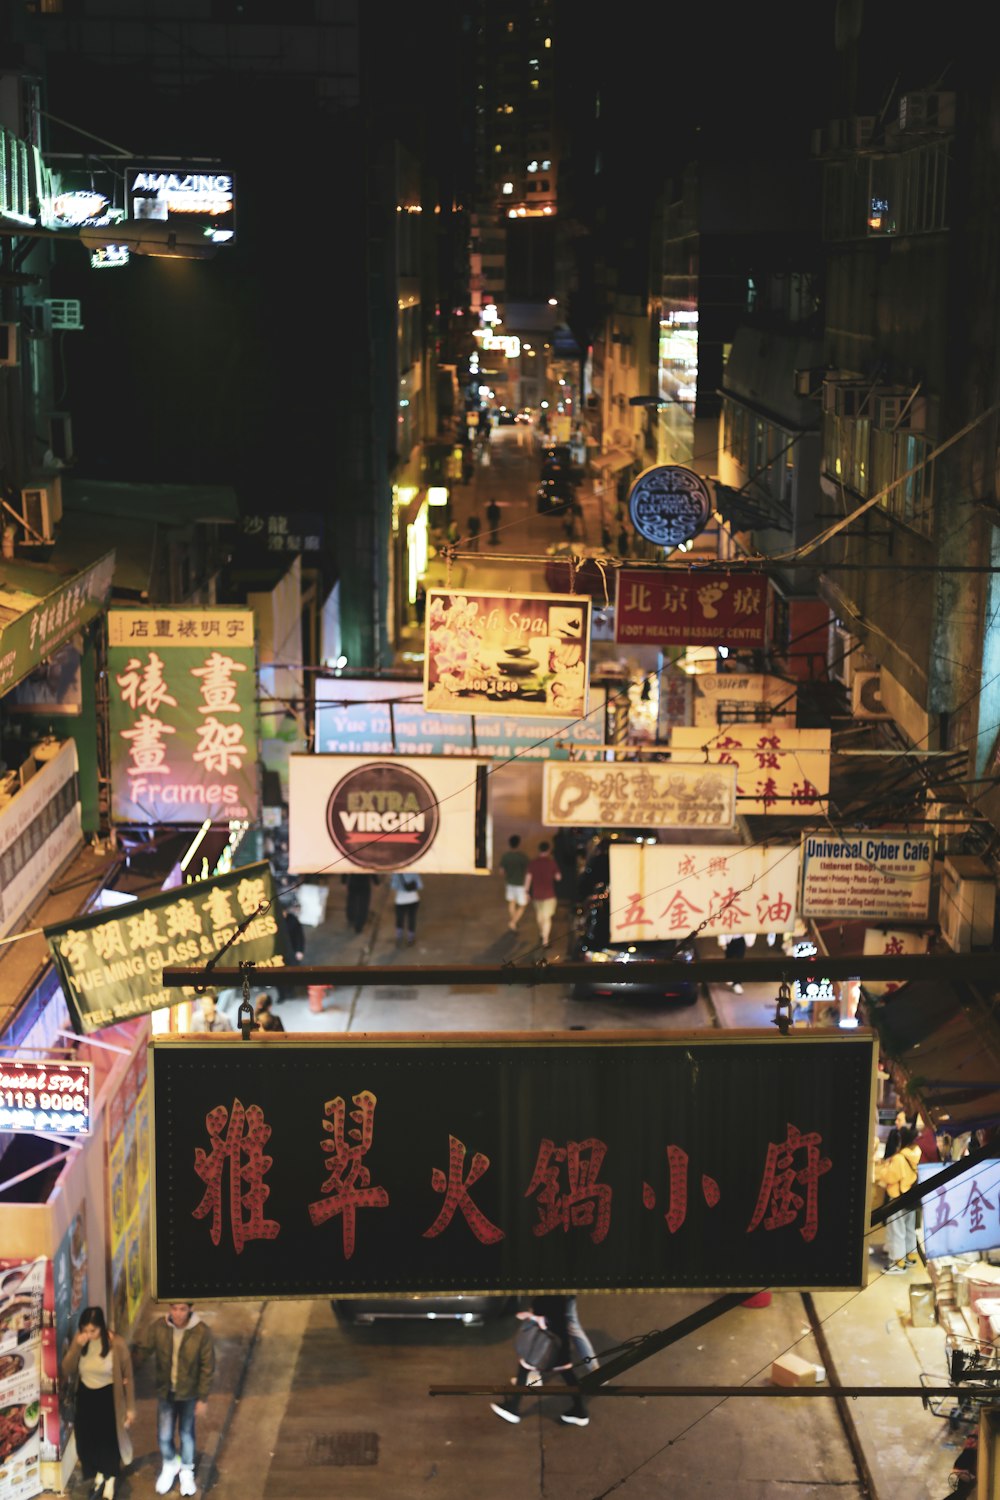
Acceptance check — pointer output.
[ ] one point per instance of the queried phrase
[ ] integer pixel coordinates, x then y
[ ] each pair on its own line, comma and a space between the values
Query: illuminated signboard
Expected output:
175, 195
347, 1165
107, 256
45, 1098
183, 715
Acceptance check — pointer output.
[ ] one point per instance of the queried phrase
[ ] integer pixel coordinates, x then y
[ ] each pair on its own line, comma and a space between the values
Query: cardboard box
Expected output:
790, 1370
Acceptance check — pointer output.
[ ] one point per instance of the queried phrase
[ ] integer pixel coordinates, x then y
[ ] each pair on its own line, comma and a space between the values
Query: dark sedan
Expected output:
618, 967
553, 496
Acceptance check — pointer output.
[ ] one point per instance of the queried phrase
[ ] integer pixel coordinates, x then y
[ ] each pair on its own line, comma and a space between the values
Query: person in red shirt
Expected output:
540, 882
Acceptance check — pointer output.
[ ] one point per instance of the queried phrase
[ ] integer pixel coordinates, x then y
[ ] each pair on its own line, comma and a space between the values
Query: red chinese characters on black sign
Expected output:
672, 608
473, 1169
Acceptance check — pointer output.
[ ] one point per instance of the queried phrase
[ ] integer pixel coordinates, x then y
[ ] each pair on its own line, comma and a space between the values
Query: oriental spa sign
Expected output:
348, 1166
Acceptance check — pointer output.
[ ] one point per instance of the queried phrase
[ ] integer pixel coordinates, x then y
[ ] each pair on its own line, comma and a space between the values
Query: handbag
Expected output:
535, 1346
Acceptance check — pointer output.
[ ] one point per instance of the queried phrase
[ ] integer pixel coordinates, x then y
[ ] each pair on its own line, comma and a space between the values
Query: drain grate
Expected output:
395, 994
342, 1450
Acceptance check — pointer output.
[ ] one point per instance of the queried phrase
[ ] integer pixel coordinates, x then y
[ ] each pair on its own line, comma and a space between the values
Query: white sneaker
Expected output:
168, 1474
188, 1486
737, 989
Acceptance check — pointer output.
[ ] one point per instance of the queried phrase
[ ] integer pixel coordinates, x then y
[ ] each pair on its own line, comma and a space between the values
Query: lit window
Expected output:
534, 83
532, 166
546, 165
510, 25
548, 41
498, 148
508, 187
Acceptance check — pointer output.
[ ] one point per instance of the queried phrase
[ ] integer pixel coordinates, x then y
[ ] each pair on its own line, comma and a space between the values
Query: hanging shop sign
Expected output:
82, 199
45, 1098
639, 796
40, 826
373, 716
669, 505
675, 700
405, 1164
879, 876
33, 627
183, 715
528, 656
691, 609
110, 966
889, 942
176, 195
961, 1216
781, 772
428, 815
744, 697
667, 890
294, 532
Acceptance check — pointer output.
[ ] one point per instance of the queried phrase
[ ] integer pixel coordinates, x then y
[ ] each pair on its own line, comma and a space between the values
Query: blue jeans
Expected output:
901, 1235
169, 1413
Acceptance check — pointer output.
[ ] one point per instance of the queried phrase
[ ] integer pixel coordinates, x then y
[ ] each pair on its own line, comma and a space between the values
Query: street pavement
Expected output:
305, 1407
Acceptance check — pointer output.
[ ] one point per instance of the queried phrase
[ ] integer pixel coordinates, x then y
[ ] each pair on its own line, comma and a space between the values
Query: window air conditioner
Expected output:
925, 111
863, 127
8, 343
845, 398
37, 510
808, 382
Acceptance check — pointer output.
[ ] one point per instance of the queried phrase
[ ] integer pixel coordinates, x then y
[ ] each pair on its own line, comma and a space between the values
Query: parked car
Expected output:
553, 496
525, 415
554, 468
426, 1307
505, 418
618, 967
558, 452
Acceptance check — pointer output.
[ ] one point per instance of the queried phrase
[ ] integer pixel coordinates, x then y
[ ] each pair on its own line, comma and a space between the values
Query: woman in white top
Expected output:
406, 890
100, 1363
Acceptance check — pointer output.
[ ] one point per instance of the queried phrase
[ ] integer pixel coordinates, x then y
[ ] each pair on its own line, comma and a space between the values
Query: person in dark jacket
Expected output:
264, 1019
493, 521
185, 1363
359, 898
892, 1142
296, 936
559, 1315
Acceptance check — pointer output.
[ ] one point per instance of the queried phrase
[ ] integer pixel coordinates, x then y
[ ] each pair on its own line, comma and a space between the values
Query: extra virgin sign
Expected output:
322, 1166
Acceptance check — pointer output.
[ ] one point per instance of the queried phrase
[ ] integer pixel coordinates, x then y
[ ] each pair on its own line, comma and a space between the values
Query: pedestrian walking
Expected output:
453, 532
894, 1139
208, 1017
473, 526
493, 521
406, 894
514, 866
296, 933
264, 1020
897, 1176
185, 1363
622, 542
541, 881
99, 1364
553, 1316
359, 898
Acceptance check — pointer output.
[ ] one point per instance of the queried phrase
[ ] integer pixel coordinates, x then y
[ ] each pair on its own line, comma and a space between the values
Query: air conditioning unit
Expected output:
8, 343
863, 129
808, 382
866, 696
41, 508
64, 314
896, 409
926, 111
947, 821
843, 651
967, 903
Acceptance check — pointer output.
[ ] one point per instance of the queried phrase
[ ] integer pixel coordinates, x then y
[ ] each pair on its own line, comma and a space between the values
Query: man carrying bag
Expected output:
543, 1343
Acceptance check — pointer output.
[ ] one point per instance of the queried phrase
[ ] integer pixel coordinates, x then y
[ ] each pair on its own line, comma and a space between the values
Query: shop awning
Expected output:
42, 605
946, 1043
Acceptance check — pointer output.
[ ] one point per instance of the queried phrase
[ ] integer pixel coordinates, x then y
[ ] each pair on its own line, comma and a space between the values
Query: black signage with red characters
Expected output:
343, 1166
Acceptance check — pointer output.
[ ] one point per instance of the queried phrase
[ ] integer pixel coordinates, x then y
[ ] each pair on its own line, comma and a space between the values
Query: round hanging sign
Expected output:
382, 816
669, 505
